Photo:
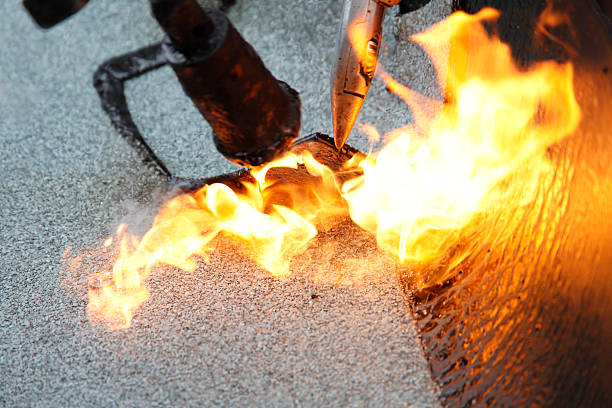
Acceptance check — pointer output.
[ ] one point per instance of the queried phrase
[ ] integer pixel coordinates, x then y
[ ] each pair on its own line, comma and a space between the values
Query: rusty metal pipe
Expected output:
185, 22
254, 116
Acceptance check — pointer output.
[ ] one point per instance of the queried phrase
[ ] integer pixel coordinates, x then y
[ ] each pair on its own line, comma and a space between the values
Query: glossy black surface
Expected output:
526, 318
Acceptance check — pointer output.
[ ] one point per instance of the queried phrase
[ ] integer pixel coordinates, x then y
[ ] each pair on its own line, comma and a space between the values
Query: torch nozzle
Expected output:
357, 55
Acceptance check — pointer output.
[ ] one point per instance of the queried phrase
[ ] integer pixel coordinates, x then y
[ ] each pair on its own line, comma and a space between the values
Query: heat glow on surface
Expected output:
422, 193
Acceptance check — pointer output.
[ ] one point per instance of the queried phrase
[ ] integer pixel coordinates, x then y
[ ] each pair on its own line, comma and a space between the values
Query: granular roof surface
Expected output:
227, 334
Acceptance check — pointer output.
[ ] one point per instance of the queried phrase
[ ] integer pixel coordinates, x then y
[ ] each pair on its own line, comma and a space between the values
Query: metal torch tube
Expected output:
254, 117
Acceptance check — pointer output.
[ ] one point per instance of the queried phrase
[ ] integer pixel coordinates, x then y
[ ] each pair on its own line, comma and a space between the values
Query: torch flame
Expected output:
483, 150
421, 190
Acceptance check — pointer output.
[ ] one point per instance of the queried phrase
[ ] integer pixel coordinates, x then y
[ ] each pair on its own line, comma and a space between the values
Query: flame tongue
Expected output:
419, 195
420, 191
271, 219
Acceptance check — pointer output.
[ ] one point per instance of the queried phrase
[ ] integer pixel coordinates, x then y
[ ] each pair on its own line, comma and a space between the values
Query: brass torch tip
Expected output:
345, 109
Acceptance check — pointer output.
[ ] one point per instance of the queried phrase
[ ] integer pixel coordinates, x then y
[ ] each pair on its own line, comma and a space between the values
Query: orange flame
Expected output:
551, 18
186, 226
423, 191
418, 193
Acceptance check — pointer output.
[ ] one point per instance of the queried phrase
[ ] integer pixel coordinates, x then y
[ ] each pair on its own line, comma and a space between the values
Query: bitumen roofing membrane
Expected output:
227, 334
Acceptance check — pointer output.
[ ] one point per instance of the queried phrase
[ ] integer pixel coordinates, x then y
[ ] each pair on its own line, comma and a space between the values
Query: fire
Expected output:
433, 179
271, 233
424, 191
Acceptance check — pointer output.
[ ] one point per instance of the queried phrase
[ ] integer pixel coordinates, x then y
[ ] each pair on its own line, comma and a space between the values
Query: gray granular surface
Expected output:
228, 333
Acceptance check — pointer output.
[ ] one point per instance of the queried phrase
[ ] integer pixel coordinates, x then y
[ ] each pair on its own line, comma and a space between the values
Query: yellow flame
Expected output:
418, 192
424, 190
185, 227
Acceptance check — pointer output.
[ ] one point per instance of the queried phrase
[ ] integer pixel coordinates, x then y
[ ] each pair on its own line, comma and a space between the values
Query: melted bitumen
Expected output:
522, 325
